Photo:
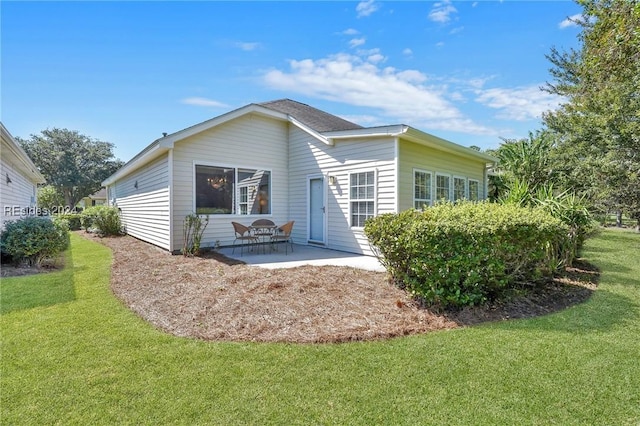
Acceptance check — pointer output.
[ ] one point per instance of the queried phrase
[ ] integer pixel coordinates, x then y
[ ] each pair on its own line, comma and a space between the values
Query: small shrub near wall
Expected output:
102, 219
73, 219
467, 253
32, 239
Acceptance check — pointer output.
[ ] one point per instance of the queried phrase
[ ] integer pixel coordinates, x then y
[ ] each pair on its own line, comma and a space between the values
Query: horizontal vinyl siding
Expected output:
251, 141
415, 156
145, 210
310, 156
21, 192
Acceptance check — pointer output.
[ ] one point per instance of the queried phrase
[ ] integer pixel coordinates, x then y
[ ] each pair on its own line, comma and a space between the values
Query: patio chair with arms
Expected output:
243, 233
283, 234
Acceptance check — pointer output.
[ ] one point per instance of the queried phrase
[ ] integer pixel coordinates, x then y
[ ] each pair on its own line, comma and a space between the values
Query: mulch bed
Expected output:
217, 298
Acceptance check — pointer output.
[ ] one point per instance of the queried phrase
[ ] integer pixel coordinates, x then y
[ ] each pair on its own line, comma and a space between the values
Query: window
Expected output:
443, 190
421, 189
362, 196
474, 190
227, 190
459, 188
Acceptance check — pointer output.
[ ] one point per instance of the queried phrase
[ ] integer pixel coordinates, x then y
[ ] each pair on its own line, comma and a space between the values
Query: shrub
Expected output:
32, 239
103, 219
74, 220
466, 253
194, 227
565, 206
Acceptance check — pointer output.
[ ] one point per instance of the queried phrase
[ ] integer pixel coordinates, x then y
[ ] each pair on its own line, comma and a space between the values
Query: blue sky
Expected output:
124, 72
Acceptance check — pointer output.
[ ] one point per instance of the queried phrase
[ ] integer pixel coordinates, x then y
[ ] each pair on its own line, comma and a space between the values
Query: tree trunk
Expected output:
619, 218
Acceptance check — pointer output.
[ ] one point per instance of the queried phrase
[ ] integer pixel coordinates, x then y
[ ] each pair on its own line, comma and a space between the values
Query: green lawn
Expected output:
83, 358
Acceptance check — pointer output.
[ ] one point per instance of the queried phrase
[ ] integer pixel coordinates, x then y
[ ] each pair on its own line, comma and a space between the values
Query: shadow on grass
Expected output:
45, 289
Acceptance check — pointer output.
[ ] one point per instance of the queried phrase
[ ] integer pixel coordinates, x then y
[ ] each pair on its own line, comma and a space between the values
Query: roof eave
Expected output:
26, 164
418, 136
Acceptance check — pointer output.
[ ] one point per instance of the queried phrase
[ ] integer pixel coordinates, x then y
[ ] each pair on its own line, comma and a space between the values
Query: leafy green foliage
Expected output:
563, 205
50, 198
32, 239
193, 229
103, 219
74, 220
71, 162
526, 160
598, 127
466, 253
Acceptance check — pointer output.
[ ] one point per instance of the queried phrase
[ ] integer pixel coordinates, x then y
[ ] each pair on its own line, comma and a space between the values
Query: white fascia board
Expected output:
151, 152
26, 164
369, 132
310, 131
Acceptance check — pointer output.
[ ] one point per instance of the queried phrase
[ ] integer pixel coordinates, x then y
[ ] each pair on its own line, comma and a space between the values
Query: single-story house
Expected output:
98, 198
19, 178
286, 160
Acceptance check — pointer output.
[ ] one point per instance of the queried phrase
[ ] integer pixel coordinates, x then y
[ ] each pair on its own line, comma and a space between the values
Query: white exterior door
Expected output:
316, 210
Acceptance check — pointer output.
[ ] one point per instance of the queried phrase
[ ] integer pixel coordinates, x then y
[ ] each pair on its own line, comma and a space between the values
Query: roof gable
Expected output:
318, 120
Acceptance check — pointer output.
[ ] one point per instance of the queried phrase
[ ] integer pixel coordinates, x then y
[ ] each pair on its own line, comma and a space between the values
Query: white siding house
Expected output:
284, 160
18, 180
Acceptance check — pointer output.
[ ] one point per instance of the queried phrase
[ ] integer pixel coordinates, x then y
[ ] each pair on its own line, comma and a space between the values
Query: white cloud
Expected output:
442, 11
440, 44
456, 30
399, 95
520, 103
407, 52
247, 46
355, 42
366, 8
350, 31
204, 102
571, 21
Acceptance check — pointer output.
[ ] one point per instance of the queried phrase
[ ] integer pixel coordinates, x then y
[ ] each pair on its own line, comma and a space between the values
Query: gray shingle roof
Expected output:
316, 119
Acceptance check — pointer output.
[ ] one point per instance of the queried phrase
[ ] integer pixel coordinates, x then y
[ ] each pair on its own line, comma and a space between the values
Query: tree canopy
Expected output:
73, 163
598, 127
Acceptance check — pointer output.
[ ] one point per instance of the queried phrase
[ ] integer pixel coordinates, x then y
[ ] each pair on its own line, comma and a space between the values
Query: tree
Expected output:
73, 163
598, 127
49, 198
526, 160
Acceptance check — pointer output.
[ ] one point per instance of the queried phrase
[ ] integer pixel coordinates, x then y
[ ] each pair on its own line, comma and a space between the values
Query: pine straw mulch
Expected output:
217, 298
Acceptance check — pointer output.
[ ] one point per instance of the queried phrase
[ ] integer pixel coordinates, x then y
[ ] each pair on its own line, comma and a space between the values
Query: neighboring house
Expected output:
98, 198
285, 160
19, 178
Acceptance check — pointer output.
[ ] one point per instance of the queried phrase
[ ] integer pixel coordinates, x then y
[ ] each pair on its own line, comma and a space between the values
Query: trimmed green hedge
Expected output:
74, 220
467, 253
33, 239
102, 219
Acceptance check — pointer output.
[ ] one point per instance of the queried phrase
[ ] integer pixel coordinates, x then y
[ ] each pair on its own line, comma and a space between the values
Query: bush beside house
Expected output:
102, 219
467, 253
32, 239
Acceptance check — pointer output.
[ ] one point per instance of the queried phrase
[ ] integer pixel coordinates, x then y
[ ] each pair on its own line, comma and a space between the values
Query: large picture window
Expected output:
421, 189
228, 190
443, 187
362, 197
459, 188
474, 190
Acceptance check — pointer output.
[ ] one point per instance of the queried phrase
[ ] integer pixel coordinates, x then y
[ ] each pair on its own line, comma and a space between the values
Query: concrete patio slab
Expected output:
302, 255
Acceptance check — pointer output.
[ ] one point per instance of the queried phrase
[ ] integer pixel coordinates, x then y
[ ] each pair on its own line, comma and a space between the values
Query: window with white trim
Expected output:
459, 188
421, 188
443, 187
230, 190
362, 189
474, 190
